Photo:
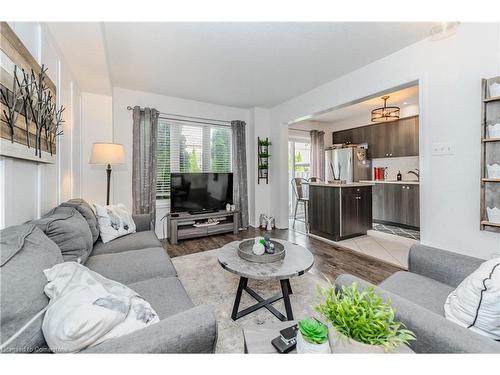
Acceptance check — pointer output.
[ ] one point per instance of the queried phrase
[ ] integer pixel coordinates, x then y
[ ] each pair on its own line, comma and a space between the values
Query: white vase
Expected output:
494, 130
305, 347
494, 90
340, 344
493, 214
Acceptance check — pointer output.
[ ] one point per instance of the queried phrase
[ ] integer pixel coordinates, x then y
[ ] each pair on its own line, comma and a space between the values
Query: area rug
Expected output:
207, 283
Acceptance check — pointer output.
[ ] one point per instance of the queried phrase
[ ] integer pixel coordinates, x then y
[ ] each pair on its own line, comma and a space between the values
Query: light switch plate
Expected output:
443, 149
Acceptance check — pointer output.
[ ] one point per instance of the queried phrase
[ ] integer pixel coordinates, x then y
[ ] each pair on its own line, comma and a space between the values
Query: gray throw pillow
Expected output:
70, 231
25, 252
87, 212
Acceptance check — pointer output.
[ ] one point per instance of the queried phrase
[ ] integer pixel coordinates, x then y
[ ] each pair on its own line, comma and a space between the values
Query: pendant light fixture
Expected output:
385, 113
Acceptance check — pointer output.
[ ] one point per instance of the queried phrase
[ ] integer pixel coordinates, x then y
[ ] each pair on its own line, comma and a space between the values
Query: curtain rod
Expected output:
299, 130
163, 114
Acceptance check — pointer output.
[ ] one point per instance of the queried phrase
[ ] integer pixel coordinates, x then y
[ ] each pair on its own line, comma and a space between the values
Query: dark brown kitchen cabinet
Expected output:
397, 204
340, 212
391, 139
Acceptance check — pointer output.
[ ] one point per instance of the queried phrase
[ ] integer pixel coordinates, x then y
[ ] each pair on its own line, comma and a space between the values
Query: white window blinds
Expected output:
188, 147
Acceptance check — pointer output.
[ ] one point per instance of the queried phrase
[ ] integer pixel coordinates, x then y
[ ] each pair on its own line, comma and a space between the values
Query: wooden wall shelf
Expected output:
490, 154
490, 224
495, 99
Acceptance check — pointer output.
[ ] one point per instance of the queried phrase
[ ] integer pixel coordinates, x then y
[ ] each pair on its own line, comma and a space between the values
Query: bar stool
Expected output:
300, 197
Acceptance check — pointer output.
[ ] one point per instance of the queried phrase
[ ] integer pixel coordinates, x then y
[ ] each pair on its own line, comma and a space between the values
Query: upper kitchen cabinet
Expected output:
391, 139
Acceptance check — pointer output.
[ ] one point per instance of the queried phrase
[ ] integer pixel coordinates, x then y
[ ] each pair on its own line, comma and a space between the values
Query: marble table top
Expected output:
298, 260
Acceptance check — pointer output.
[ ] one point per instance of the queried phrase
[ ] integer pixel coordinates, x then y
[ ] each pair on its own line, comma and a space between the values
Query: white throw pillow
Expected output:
114, 221
475, 304
87, 309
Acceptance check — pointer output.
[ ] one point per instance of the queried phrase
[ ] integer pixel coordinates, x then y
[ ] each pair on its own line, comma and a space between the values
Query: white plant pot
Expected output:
494, 131
494, 90
493, 170
305, 347
340, 344
493, 214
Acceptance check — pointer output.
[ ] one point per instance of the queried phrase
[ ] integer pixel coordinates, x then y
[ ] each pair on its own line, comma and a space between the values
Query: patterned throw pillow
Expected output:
114, 221
87, 309
475, 304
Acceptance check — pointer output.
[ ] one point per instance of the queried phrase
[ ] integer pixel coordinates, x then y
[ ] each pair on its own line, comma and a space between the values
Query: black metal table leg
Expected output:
286, 290
286, 298
289, 286
241, 286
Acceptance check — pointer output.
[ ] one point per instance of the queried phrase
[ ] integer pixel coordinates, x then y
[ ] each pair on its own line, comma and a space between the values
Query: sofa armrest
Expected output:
441, 265
434, 333
191, 331
142, 222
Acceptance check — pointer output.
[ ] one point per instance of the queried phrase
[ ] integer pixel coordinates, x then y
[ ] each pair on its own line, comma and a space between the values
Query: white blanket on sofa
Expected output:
87, 309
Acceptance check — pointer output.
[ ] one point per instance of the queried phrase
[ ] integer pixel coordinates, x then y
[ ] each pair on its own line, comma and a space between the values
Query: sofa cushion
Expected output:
25, 252
166, 295
69, 230
88, 214
421, 290
132, 266
133, 241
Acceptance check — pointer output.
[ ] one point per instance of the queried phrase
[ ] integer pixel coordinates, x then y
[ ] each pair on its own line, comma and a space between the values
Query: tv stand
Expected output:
201, 212
181, 225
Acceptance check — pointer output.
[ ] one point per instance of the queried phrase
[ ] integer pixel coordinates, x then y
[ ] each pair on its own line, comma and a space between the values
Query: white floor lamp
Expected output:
107, 154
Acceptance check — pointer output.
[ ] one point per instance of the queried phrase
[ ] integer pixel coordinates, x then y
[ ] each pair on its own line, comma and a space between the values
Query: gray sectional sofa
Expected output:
69, 233
418, 297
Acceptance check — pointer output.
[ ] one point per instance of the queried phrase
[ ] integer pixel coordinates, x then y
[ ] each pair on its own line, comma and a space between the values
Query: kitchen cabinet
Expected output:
340, 212
397, 204
391, 139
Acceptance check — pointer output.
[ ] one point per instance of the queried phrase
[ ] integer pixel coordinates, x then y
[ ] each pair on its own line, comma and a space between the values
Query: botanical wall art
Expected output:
29, 115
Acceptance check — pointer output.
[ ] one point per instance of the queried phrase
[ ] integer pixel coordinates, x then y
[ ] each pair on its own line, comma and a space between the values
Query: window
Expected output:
188, 147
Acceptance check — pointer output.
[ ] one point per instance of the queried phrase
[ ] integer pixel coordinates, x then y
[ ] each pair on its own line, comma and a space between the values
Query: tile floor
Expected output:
388, 247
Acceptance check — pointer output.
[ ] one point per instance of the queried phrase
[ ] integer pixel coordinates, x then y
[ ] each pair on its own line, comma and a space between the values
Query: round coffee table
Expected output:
298, 260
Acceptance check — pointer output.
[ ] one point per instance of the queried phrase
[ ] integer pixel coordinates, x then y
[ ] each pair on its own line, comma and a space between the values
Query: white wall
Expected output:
97, 126
259, 197
122, 132
449, 74
29, 189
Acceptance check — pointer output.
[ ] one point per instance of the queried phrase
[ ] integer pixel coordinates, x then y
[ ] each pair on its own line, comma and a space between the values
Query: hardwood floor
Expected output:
330, 261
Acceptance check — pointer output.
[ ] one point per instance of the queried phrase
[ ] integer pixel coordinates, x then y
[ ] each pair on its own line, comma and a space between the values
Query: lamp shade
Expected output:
107, 153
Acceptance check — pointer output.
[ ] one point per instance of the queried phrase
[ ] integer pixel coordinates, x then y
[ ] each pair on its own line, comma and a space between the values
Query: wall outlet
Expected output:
443, 149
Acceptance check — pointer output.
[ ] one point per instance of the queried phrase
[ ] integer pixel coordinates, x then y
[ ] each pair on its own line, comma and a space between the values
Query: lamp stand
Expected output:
108, 172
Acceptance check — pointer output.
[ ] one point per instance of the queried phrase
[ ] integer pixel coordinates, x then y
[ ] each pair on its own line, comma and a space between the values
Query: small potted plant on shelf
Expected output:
361, 321
312, 337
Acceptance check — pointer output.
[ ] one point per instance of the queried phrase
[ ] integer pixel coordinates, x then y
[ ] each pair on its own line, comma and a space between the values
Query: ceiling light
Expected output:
443, 30
385, 113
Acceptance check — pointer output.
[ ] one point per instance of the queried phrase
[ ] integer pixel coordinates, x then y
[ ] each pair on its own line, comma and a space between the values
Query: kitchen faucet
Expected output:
417, 173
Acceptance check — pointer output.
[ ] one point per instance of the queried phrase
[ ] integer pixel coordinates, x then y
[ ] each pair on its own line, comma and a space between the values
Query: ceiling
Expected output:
236, 64
359, 113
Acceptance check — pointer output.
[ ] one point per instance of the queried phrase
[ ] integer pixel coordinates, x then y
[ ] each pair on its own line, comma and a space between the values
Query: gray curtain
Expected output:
144, 161
317, 154
240, 184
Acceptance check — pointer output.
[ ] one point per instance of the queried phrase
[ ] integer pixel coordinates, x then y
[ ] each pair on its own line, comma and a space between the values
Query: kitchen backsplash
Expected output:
394, 165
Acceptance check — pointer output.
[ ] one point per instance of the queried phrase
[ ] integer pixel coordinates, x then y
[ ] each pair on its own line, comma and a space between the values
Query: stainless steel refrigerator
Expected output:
350, 164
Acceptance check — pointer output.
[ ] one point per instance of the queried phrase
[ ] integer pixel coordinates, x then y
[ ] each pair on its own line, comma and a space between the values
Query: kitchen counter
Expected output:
392, 182
347, 185
342, 212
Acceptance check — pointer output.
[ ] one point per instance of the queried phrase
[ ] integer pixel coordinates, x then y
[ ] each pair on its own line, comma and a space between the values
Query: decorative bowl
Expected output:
245, 252
494, 130
493, 214
494, 90
493, 170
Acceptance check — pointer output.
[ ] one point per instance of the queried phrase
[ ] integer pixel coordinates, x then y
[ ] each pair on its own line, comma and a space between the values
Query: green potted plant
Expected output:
361, 321
312, 337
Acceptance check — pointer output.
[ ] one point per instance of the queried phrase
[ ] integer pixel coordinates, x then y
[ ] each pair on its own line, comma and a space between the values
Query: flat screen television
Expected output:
200, 192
